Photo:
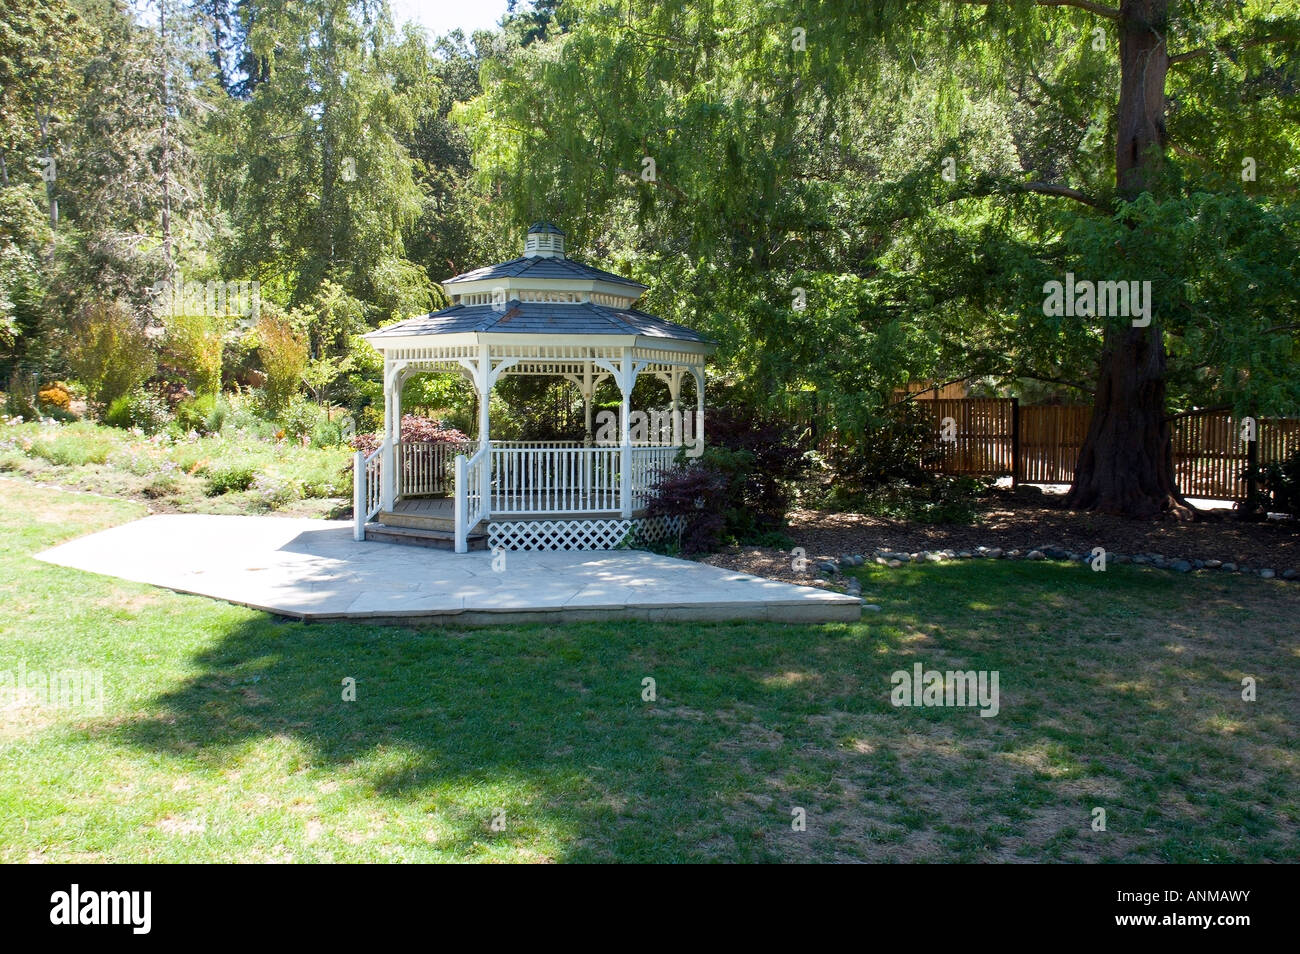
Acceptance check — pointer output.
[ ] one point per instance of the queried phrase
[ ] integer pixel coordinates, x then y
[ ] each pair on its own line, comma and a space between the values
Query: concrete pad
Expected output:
314, 570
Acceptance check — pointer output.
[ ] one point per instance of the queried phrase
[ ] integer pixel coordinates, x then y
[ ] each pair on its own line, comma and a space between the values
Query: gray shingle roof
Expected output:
541, 318
541, 267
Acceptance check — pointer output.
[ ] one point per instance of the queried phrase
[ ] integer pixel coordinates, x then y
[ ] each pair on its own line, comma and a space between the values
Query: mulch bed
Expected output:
1026, 519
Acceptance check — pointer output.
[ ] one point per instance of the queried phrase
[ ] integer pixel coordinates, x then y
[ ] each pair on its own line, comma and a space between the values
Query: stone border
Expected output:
892, 558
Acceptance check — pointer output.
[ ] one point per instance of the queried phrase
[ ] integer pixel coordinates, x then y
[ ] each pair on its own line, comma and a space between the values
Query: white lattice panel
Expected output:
590, 534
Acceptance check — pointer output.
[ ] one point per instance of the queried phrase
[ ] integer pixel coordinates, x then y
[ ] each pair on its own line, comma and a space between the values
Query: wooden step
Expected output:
410, 536
418, 521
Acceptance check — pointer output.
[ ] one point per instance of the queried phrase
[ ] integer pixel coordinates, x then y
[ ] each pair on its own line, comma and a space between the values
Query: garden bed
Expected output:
1025, 520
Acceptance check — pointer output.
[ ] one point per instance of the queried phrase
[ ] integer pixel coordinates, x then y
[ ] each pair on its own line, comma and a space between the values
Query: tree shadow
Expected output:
545, 724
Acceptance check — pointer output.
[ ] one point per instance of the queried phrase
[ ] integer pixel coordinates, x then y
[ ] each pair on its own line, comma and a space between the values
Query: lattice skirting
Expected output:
591, 534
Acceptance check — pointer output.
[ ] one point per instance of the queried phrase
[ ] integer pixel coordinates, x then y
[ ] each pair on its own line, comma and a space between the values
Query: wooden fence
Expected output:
997, 437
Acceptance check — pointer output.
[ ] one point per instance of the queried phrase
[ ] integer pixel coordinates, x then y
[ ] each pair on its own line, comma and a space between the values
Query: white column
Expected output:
399, 379
484, 433
699, 409
388, 493
675, 404
625, 383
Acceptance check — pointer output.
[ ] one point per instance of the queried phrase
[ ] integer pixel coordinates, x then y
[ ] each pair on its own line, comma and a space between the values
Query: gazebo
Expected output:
540, 314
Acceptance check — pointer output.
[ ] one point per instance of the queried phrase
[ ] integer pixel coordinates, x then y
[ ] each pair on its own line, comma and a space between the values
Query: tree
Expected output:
920, 171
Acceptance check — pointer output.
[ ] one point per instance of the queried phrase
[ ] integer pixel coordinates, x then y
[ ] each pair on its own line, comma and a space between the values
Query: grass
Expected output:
224, 735
184, 474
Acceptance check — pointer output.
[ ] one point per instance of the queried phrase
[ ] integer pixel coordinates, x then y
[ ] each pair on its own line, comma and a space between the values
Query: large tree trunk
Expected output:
1126, 462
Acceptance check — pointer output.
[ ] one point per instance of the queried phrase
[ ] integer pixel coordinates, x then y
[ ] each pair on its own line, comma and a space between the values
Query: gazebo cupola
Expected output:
544, 240
542, 313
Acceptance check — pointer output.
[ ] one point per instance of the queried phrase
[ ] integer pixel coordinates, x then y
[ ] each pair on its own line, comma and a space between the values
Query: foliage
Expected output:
723, 498
55, 396
196, 343
941, 499
109, 352
139, 409
202, 414
892, 451
229, 478
414, 428
282, 350
1279, 482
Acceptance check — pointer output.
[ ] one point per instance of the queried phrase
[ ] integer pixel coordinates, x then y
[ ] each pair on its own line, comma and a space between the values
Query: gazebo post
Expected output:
388, 489
675, 404
698, 430
625, 426
484, 384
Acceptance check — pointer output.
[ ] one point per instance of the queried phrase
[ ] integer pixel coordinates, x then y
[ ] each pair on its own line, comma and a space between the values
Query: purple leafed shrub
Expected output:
413, 429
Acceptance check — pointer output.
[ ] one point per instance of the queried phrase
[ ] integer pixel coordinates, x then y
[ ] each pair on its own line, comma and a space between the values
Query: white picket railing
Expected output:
473, 488
428, 467
367, 487
647, 465
555, 480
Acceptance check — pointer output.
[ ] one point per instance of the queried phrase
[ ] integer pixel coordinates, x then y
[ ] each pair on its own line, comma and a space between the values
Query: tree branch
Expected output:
1101, 9
1204, 51
1052, 188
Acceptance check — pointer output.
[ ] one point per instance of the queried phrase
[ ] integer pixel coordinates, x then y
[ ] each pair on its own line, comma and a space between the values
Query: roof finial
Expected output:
544, 240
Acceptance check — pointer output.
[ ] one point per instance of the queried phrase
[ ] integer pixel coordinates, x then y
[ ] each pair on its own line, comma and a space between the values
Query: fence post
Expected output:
1253, 506
1015, 442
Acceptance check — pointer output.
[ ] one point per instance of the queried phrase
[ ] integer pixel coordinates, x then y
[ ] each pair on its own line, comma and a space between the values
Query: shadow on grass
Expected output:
549, 724
546, 724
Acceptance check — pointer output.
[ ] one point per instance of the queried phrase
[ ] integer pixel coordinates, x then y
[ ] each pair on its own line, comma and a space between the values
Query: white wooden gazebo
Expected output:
540, 314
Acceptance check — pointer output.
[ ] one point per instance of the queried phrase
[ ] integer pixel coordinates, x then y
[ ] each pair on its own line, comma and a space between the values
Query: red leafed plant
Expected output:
413, 429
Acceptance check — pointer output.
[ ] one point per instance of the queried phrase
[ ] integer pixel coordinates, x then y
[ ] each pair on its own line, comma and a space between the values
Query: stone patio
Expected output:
314, 570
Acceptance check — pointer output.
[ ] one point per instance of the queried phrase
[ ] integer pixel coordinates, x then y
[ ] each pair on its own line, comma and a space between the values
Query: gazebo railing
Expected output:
574, 479
472, 494
428, 467
367, 489
647, 464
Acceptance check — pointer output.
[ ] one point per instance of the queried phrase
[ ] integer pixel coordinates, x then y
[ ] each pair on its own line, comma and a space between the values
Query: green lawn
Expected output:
224, 736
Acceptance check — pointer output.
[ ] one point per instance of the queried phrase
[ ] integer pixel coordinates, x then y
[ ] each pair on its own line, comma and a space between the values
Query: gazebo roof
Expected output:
543, 292
561, 268
541, 318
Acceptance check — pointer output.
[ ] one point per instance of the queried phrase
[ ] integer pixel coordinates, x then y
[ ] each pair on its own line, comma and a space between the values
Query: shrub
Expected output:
204, 414
891, 452
283, 352
195, 343
55, 396
230, 478
413, 429
701, 492
300, 418
140, 409
940, 499
109, 352
1279, 483
777, 459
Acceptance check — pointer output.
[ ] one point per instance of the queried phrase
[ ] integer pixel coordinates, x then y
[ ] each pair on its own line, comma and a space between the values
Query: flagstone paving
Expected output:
314, 570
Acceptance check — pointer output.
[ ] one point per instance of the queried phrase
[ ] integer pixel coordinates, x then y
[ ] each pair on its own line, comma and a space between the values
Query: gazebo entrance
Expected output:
541, 314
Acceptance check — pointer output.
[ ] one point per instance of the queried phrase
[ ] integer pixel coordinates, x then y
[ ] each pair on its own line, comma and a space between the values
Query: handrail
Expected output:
471, 500
367, 488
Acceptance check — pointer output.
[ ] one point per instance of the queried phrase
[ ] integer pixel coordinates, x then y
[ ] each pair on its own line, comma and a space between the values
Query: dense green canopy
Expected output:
848, 196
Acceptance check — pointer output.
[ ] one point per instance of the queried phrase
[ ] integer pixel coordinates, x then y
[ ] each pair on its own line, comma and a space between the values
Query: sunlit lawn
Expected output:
225, 736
